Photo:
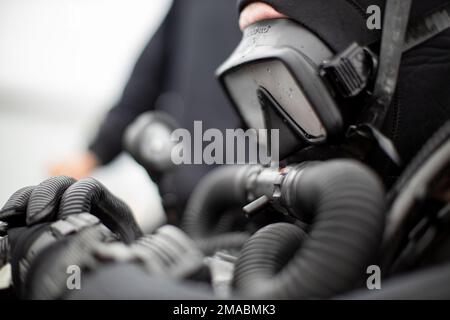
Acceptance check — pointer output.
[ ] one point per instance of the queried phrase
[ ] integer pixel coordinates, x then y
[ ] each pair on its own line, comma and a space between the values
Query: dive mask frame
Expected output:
317, 71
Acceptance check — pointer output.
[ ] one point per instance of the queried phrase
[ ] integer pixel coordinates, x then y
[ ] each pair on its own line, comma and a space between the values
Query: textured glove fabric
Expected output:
39, 217
59, 197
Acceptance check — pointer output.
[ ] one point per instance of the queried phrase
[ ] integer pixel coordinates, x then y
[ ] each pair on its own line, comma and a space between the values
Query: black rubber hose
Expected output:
279, 241
218, 193
344, 202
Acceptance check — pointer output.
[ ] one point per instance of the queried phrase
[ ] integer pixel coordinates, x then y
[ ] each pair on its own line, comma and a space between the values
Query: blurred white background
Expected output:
63, 63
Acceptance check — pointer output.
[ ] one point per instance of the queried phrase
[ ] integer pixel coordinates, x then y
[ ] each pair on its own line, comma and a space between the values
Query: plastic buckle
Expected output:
350, 72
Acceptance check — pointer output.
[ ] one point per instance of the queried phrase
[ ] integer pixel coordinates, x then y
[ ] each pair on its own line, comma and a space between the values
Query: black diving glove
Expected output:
57, 210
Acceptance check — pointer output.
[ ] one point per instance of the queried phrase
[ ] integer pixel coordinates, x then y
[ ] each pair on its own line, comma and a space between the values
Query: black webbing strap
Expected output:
397, 38
395, 26
392, 42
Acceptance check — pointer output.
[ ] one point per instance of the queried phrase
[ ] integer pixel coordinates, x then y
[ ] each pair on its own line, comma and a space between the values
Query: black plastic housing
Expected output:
302, 53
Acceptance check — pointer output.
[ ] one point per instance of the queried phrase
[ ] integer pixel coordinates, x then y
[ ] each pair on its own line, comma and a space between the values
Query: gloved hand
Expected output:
41, 216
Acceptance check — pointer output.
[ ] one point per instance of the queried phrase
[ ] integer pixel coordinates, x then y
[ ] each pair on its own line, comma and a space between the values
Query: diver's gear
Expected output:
221, 191
30, 246
74, 205
168, 253
59, 197
309, 110
373, 116
42, 254
337, 212
315, 93
282, 77
324, 199
254, 188
149, 141
204, 218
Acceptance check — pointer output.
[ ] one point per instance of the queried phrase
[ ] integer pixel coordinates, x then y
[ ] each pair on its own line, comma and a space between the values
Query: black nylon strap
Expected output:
400, 35
394, 32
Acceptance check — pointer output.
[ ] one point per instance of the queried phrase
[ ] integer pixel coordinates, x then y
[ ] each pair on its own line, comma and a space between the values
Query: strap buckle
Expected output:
351, 71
